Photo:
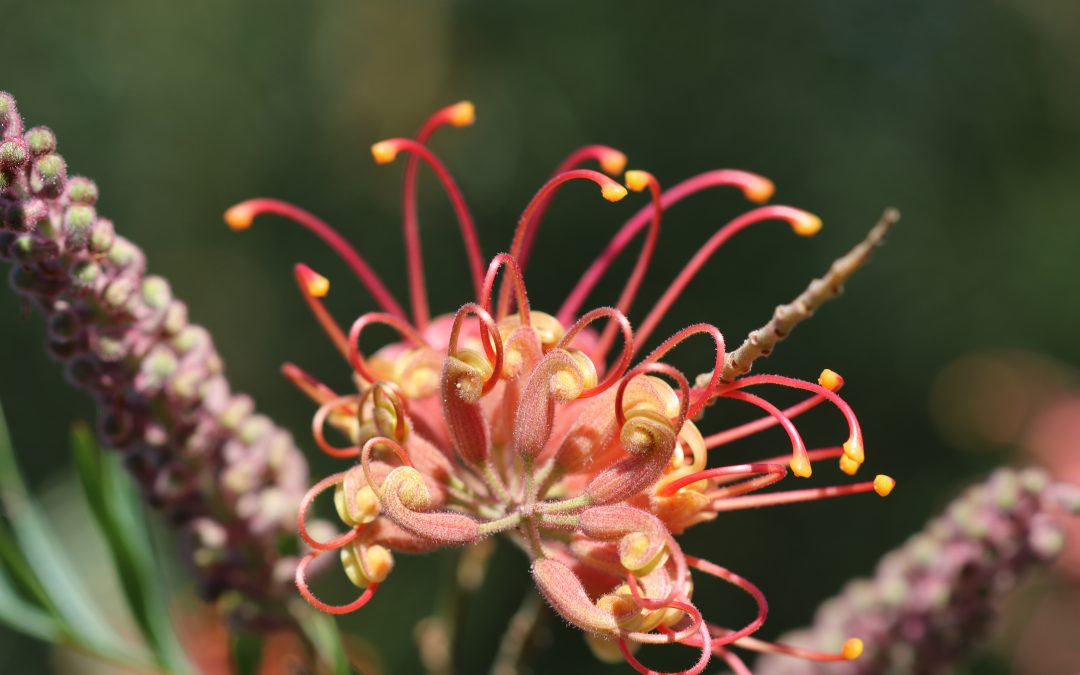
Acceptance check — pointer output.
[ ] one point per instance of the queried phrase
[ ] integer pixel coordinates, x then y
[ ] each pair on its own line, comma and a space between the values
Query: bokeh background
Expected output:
965, 115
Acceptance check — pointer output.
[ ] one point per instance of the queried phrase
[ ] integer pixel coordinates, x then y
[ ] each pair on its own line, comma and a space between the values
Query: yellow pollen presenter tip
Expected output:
853, 649
239, 217
883, 485
613, 162
463, 114
637, 180
854, 449
613, 192
384, 152
830, 379
315, 284
760, 191
807, 225
800, 466
848, 465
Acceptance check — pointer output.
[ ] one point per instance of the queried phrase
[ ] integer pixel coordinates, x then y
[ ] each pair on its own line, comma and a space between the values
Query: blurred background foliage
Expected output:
965, 115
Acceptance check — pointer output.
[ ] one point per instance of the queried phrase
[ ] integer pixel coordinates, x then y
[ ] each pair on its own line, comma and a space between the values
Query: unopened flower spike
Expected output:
930, 602
497, 417
223, 475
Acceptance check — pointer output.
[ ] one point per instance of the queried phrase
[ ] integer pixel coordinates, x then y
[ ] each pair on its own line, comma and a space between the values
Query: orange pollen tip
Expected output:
315, 284
854, 449
800, 466
613, 162
848, 465
806, 225
760, 191
463, 114
853, 649
613, 192
830, 379
240, 217
384, 152
637, 180
883, 485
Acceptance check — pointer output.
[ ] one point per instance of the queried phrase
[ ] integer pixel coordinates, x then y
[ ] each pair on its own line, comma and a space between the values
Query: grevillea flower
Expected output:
227, 476
550, 428
933, 600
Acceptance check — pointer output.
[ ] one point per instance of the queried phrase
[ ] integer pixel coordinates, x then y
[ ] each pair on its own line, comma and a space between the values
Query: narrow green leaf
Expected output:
46, 560
118, 514
21, 616
322, 632
247, 652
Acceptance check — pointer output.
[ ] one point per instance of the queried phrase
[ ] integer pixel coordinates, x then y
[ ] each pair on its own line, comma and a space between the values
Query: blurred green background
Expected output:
965, 115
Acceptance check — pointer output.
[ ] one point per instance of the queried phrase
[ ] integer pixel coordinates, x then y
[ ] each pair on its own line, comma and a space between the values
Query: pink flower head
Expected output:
550, 428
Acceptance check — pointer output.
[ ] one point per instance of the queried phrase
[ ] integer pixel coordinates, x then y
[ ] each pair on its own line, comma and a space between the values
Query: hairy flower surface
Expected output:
551, 428
227, 476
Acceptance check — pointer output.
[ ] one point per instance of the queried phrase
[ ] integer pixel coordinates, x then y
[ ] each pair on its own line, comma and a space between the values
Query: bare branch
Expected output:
760, 342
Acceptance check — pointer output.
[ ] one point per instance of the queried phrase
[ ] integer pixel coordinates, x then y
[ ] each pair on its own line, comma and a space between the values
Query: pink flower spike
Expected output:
802, 222
756, 188
609, 188
610, 160
302, 586
460, 114
387, 151
241, 216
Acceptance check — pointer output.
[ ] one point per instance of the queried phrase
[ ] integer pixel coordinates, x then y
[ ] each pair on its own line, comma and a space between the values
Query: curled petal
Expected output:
566, 595
559, 377
615, 318
642, 537
406, 500
462, 382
